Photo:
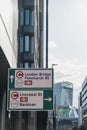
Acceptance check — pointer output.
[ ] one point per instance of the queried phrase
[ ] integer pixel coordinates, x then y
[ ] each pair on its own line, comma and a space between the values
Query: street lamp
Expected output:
54, 111
54, 65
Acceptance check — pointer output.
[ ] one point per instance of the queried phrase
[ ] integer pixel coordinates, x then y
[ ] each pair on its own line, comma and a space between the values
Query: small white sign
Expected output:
33, 78
26, 100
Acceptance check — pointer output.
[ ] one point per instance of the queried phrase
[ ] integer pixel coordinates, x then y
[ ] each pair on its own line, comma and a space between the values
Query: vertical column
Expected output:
19, 121
3, 111
32, 120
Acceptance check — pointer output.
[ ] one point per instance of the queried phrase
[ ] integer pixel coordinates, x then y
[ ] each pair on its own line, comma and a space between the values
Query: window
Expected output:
26, 43
32, 44
27, 17
26, 65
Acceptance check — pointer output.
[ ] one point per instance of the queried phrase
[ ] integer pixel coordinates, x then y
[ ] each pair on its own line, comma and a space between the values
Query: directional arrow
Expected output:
12, 78
48, 99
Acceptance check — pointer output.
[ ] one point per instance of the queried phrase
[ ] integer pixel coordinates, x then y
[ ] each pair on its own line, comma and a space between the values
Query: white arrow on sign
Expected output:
12, 78
48, 99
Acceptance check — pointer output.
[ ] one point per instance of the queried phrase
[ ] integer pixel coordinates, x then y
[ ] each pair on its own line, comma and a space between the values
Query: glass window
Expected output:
27, 17
26, 65
32, 18
26, 43
32, 44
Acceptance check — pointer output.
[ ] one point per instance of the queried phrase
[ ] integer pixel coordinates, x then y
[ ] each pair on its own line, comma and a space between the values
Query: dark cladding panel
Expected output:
28, 3
27, 30
26, 56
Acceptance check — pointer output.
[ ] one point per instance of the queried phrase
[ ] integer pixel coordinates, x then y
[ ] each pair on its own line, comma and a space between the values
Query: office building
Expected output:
64, 93
30, 50
67, 117
66, 114
84, 102
79, 109
30, 33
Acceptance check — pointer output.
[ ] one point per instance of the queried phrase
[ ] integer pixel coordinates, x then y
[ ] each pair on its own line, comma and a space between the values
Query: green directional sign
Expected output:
48, 99
30, 89
11, 78
30, 100
30, 78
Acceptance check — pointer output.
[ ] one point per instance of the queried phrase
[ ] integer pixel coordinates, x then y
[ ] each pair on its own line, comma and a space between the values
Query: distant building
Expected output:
84, 102
66, 112
67, 117
80, 110
64, 93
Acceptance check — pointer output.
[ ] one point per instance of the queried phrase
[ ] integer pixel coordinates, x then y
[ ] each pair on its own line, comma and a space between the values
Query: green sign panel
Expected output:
30, 89
30, 78
30, 100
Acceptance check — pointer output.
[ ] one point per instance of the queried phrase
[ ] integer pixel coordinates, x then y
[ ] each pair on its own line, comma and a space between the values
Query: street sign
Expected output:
30, 100
30, 89
30, 78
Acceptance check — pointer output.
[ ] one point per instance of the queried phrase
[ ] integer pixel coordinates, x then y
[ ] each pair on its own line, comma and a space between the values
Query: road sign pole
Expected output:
24, 82
3, 111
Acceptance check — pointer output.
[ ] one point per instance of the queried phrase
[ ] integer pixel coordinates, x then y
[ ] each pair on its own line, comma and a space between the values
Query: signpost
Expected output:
30, 78
30, 100
30, 89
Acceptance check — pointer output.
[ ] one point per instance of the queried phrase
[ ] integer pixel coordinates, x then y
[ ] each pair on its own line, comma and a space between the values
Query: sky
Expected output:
68, 42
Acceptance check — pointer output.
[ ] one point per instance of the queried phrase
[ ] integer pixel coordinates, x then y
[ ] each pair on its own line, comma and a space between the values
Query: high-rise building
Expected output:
66, 114
84, 102
64, 93
30, 50
30, 33
79, 109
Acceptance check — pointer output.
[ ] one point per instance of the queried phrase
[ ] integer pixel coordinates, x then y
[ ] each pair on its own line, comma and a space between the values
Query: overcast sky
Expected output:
68, 41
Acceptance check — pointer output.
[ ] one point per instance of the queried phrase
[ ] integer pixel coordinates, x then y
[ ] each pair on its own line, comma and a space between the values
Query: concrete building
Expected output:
30, 33
30, 51
8, 52
84, 102
21, 45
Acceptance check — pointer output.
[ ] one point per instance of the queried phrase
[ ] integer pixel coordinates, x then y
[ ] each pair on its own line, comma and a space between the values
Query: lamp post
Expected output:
54, 111
54, 65
47, 33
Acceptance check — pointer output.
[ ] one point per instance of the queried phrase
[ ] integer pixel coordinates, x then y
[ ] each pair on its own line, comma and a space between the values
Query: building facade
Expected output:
21, 46
8, 36
8, 53
30, 53
66, 114
67, 117
64, 93
84, 102
30, 33
80, 110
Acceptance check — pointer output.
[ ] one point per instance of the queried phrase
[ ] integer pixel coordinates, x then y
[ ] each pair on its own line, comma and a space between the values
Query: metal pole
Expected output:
54, 114
54, 111
46, 113
46, 33
3, 111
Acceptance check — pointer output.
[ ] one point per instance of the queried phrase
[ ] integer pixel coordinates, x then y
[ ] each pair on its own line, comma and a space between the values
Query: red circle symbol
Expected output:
19, 74
14, 95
